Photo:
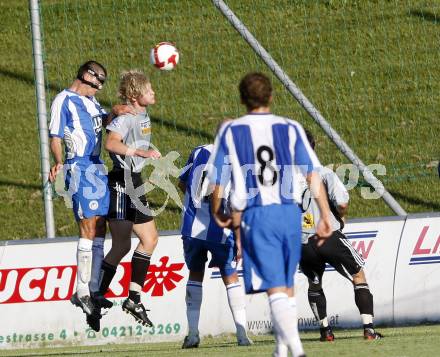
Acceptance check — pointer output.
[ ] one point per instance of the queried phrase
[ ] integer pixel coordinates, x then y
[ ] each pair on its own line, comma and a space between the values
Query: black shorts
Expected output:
336, 251
122, 206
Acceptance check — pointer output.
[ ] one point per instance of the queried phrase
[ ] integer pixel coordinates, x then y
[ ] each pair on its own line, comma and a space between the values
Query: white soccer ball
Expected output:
164, 56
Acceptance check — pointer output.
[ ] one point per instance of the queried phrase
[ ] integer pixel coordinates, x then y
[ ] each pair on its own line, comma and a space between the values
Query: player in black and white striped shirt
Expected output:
337, 251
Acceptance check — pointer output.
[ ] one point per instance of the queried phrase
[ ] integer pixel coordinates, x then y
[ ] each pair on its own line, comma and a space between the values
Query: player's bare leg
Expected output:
364, 302
237, 304
285, 322
121, 233
148, 237
121, 244
193, 299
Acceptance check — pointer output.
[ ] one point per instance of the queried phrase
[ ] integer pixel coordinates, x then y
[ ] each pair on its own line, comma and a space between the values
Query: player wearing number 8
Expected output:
263, 156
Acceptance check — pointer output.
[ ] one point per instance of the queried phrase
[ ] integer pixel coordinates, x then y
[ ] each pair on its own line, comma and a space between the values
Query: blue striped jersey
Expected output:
78, 120
264, 156
197, 220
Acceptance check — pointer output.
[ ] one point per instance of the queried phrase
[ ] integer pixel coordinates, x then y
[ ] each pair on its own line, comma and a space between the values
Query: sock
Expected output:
281, 348
364, 302
296, 339
193, 298
139, 267
318, 304
108, 271
237, 305
84, 266
97, 257
285, 321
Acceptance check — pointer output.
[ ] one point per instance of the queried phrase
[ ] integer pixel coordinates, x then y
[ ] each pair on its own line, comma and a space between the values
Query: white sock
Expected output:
285, 322
97, 258
297, 341
323, 322
84, 266
281, 348
193, 298
367, 319
237, 304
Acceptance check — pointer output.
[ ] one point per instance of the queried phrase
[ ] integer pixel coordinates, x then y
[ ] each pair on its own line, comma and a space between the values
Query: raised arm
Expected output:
117, 110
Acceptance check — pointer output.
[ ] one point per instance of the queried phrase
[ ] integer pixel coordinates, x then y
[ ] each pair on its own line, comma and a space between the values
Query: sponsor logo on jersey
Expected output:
308, 221
427, 248
97, 123
93, 205
145, 128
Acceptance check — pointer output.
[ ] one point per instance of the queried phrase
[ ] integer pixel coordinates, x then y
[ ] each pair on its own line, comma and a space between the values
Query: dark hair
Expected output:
255, 90
93, 65
310, 138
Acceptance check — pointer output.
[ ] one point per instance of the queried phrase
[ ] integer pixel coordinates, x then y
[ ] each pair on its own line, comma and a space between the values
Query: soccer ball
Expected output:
164, 56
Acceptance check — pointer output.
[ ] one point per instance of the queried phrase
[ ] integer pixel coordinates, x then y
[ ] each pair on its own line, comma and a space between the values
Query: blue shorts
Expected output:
271, 244
86, 182
196, 255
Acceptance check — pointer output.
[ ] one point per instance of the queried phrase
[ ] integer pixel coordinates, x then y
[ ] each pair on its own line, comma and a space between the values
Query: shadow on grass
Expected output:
169, 207
416, 201
29, 186
184, 130
426, 15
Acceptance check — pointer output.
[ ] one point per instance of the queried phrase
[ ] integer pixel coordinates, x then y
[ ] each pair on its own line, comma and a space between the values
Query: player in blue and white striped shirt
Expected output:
200, 234
263, 155
77, 119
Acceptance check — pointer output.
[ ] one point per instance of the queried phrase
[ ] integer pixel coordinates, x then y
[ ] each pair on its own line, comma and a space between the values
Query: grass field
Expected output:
421, 341
370, 67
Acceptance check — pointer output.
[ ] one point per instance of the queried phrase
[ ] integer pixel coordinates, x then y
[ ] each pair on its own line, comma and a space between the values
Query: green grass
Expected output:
421, 341
370, 67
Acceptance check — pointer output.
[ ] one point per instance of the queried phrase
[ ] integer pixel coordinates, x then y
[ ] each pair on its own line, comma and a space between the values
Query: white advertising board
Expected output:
417, 284
377, 242
37, 279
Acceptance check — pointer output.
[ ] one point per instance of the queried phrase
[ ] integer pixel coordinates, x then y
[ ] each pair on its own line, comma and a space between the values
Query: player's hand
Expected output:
120, 109
148, 154
54, 170
238, 253
223, 220
323, 230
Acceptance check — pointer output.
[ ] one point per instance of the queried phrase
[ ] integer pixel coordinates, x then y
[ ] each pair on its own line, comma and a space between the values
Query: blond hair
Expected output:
132, 85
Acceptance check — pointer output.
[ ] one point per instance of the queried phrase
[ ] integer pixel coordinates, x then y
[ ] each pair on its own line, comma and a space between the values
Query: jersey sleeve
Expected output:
120, 125
218, 168
184, 175
337, 192
305, 158
58, 116
101, 109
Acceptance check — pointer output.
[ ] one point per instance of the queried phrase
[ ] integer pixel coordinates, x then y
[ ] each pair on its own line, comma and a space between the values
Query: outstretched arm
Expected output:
117, 110
114, 144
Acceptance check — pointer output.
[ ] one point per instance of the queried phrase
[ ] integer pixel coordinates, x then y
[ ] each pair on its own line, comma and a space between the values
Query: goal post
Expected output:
309, 107
369, 68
